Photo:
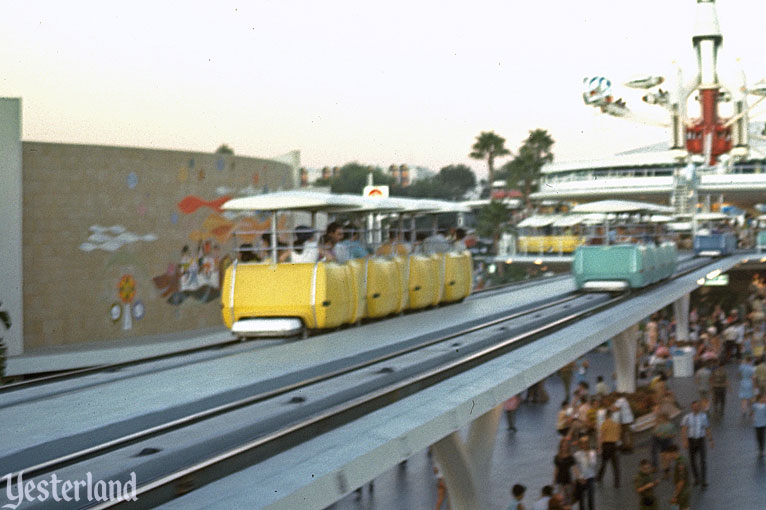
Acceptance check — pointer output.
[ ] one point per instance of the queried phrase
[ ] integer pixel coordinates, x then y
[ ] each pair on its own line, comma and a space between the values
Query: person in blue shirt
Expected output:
759, 422
695, 427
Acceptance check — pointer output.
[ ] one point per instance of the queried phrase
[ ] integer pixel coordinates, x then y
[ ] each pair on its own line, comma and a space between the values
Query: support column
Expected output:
11, 265
466, 464
681, 313
624, 349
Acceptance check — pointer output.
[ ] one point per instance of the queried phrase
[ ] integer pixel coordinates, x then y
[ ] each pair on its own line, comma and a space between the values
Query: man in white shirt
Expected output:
694, 428
624, 416
545, 496
586, 461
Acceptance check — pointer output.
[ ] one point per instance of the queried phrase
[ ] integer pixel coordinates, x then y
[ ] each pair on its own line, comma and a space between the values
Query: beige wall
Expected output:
94, 217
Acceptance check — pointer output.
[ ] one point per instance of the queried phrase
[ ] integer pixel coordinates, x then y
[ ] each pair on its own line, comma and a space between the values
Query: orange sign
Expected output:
375, 191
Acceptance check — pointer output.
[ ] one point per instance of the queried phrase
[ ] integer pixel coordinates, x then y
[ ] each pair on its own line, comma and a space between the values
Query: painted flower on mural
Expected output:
112, 238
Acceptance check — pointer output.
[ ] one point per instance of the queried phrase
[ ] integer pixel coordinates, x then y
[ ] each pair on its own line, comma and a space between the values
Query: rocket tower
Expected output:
709, 135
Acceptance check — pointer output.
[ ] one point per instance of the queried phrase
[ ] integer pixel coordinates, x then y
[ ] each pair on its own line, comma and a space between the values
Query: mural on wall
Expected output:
112, 238
191, 203
198, 269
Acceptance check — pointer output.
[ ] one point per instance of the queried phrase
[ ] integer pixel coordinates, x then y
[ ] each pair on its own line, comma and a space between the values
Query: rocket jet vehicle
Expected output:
644, 82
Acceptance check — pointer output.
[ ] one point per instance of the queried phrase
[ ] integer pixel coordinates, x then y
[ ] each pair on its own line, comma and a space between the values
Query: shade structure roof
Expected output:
621, 206
292, 200
538, 221
569, 220
329, 202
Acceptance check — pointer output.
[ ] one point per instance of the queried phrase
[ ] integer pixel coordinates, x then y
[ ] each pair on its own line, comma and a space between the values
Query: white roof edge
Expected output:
628, 160
619, 206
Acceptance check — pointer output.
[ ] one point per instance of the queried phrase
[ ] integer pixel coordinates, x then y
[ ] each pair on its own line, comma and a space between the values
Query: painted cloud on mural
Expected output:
112, 238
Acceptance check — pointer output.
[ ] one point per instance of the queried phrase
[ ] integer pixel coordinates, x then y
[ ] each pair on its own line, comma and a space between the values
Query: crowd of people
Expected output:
342, 242
595, 429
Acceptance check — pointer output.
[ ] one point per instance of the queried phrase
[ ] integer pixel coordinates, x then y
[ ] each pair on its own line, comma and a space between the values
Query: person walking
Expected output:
441, 488
644, 483
702, 379
681, 492
510, 406
663, 438
517, 491
607, 445
586, 461
562, 474
625, 418
695, 427
760, 375
720, 384
759, 422
746, 376
545, 497
565, 373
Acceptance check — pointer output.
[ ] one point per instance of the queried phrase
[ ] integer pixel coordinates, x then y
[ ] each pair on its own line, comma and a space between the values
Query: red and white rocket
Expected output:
709, 135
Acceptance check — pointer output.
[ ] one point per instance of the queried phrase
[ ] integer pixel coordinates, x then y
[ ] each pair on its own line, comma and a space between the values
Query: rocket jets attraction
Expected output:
709, 135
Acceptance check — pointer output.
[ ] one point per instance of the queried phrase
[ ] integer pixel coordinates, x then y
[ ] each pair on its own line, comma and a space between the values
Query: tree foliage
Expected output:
492, 219
524, 169
224, 149
352, 178
451, 183
458, 179
489, 146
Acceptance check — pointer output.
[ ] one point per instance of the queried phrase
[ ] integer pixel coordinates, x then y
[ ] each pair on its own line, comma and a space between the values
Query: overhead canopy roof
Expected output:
444, 206
292, 200
569, 220
368, 204
711, 216
620, 206
538, 221
315, 201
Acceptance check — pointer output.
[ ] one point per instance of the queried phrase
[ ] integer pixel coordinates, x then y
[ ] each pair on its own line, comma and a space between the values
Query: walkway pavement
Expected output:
737, 477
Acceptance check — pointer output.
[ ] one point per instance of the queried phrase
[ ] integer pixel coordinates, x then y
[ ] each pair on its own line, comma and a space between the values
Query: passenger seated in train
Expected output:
330, 251
263, 250
351, 244
459, 244
418, 246
392, 246
246, 253
436, 243
305, 247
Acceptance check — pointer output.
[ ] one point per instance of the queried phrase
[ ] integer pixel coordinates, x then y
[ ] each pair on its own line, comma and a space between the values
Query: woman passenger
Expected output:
305, 247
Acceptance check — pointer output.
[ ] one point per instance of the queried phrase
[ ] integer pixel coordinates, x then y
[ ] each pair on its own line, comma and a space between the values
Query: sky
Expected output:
375, 82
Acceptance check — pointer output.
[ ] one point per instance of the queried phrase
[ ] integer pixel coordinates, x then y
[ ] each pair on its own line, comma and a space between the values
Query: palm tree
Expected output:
525, 168
490, 146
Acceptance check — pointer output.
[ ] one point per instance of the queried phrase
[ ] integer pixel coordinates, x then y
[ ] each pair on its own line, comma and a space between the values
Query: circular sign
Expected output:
138, 310
115, 312
127, 288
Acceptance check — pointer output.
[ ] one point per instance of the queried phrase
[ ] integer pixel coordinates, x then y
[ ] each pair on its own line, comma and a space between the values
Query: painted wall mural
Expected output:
197, 271
112, 238
191, 203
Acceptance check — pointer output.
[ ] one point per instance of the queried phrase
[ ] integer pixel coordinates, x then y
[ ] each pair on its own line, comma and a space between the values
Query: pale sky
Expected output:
376, 82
